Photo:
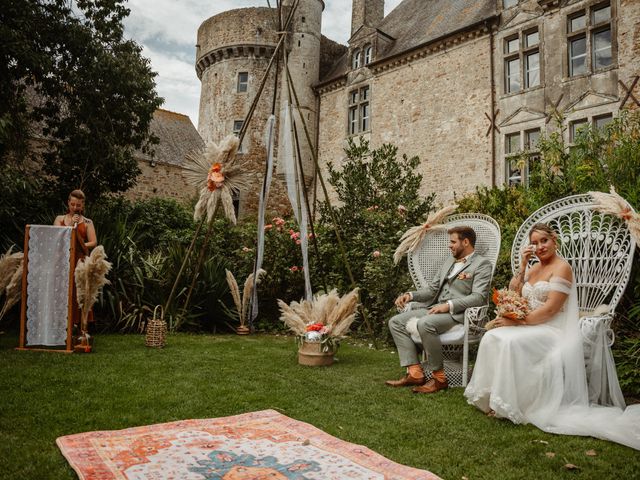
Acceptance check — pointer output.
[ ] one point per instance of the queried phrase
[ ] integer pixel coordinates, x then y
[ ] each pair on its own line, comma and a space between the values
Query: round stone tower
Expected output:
233, 51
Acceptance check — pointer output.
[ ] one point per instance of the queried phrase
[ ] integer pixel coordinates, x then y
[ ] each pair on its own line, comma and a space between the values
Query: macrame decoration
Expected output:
413, 237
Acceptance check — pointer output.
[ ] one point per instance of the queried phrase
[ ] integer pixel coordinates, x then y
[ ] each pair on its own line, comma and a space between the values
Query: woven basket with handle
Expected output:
156, 329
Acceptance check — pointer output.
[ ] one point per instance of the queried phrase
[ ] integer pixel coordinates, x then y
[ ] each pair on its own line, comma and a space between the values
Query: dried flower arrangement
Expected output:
412, 238
614, 204
325, 319
10, 279
90, 276
219, 174
242, 301
509, 304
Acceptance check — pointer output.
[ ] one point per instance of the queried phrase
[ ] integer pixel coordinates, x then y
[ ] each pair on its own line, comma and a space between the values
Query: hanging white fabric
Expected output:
294, 179
264, 198
48, 285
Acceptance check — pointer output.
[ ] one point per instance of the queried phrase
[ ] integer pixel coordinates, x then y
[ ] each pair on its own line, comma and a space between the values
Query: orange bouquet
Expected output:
509, 304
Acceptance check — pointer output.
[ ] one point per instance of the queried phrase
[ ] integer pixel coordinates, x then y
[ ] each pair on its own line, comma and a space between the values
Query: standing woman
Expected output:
75, 218
85, 235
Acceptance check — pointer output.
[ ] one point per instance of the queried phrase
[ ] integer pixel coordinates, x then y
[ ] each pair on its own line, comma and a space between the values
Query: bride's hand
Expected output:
504, 322
527, 252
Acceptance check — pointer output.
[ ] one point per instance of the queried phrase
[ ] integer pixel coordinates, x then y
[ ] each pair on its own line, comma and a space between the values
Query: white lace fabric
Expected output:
536, 374
48, 285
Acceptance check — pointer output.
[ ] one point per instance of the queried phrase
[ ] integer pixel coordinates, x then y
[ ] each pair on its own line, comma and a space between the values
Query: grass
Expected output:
123, 384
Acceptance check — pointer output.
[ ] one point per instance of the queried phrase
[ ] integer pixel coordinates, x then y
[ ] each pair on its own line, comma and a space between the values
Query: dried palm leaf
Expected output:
247, 294
235, 291
614, 204
413, 237
9, 262
13, 291
91, 276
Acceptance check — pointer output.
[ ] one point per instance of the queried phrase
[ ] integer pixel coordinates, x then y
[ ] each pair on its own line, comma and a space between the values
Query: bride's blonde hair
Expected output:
544, 228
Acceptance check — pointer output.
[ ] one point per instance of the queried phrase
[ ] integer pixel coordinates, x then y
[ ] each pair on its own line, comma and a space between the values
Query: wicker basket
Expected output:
156, 330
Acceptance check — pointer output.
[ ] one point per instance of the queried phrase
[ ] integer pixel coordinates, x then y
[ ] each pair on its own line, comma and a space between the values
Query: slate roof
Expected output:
177, 135
417, 22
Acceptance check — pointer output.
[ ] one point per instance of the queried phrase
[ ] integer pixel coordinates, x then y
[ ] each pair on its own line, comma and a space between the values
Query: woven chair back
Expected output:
426, 260
598, 247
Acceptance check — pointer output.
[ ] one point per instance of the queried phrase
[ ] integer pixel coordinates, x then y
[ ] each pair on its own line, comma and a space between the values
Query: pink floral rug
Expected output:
258, 446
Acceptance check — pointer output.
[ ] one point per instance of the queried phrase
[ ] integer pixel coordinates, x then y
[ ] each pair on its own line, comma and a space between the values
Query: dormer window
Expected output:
355, 60
368, 54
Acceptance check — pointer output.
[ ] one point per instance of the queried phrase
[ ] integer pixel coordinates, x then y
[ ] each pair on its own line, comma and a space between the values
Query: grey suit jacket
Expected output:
468, 288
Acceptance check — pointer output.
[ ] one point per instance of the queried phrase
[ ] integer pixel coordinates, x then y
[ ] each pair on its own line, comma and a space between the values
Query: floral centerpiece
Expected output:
323, 320
509, 304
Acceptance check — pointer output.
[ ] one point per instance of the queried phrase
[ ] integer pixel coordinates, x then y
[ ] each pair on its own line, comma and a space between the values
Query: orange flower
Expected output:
215, 178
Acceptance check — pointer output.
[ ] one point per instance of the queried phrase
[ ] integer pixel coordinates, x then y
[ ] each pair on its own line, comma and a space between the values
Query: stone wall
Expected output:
162, 180
432, 107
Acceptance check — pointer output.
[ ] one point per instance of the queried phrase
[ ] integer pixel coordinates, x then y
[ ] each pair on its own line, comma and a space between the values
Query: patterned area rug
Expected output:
258, 446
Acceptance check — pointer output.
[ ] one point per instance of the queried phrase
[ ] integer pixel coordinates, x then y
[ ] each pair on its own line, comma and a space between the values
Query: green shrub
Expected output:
378, 197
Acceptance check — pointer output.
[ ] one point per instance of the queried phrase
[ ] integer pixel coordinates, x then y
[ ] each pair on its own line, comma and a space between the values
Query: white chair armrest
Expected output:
477, 318
589, 328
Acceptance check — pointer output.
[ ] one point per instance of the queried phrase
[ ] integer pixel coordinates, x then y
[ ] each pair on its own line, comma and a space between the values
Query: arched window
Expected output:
355, 60
368, 54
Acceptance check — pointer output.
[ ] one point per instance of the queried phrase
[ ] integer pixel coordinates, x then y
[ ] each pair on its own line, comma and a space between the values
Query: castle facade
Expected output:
463, 84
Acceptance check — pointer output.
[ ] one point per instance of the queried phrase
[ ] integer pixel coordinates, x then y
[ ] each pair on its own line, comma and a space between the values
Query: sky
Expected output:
166, 30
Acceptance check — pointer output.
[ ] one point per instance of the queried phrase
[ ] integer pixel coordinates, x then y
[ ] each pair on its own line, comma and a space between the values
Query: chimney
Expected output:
366, 12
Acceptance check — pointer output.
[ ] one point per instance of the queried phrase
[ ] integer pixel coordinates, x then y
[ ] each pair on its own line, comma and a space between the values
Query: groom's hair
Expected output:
464, 232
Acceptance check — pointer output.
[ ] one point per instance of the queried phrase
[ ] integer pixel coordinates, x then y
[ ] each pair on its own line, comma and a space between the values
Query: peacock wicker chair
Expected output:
424, 264
599, 248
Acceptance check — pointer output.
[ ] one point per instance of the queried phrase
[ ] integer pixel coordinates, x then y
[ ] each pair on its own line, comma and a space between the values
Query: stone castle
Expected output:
463, 84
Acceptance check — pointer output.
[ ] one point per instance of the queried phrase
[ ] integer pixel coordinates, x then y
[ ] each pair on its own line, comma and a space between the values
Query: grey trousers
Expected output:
429, 329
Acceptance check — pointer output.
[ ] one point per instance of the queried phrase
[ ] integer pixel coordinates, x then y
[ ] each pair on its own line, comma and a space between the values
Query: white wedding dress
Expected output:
536, 374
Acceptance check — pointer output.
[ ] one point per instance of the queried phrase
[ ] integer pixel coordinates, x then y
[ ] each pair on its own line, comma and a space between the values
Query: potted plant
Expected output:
319, 324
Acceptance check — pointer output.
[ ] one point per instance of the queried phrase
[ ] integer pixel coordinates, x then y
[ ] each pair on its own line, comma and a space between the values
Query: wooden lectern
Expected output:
42, 300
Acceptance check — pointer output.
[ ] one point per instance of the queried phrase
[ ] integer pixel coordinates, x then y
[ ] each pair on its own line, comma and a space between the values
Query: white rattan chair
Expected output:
600, 250
425, 262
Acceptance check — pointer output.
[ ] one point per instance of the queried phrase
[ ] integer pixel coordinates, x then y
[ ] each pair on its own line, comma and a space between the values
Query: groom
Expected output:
463, 282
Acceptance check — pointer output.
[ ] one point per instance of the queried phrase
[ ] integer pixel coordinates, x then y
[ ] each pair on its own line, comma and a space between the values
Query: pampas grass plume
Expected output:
91, 276
9, 262
13, 291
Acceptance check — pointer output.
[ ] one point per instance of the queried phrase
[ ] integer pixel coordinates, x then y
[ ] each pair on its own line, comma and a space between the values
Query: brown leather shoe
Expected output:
432, 386
406, 381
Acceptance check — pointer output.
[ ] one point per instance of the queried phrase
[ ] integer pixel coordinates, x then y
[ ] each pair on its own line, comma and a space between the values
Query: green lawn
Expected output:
124, 384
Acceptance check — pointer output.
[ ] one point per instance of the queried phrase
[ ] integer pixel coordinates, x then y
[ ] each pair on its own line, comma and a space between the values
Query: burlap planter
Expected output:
311, 354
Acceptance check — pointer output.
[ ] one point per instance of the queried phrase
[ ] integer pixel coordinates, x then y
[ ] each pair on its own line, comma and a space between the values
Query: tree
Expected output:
68, 75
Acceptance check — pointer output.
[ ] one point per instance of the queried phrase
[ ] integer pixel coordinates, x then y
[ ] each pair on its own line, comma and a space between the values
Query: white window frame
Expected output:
355, 59
522, 75
523, 146
368, 54
242, 85
587, 33
359, 111
237, 127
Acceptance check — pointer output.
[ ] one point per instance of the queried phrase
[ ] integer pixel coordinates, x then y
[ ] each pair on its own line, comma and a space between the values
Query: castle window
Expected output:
359, 118
237, 127
355, 60
597, 122
521, 155
243, 82
522, 61
368, 54
589, 41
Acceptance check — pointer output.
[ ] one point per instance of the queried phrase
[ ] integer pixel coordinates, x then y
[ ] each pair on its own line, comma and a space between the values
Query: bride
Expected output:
533, 371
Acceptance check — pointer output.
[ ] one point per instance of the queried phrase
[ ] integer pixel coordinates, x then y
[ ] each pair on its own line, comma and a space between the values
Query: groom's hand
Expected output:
402, 300
440, 308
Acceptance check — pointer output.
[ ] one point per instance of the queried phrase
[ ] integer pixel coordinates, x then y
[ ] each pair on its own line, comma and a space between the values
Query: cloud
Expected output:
167, 31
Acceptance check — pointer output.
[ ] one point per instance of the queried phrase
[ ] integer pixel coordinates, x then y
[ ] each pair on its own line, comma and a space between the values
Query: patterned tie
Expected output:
461, 260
